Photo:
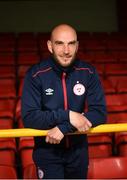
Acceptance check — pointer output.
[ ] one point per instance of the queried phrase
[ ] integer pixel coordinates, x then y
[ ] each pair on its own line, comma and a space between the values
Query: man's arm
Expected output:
96, 113
31, 106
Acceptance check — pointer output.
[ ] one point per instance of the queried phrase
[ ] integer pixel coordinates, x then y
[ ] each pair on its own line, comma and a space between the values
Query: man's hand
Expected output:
54, 136
80, 122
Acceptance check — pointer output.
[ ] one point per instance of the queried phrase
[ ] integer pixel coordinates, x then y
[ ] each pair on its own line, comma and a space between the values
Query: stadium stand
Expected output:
108, 53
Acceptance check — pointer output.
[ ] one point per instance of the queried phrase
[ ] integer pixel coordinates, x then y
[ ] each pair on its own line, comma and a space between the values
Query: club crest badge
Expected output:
40, 173
79, 89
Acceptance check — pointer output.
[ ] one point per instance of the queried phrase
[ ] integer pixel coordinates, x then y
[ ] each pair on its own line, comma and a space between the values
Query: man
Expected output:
54, 98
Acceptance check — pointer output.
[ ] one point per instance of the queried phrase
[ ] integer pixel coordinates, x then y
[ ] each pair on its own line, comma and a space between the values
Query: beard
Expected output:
63, 63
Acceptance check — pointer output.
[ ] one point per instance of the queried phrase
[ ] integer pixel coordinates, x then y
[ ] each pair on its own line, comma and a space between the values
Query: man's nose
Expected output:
66, 49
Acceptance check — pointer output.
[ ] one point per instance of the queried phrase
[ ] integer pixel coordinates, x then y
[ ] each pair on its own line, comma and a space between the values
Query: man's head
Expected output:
63, 44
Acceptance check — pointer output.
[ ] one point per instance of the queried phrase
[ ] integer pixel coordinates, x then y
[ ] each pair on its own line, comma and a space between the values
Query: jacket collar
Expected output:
59, 69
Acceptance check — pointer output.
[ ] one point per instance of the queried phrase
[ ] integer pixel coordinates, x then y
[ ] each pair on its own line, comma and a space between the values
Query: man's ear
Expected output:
49, 44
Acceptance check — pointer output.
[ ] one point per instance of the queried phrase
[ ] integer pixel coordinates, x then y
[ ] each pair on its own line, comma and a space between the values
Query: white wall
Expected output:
42, 15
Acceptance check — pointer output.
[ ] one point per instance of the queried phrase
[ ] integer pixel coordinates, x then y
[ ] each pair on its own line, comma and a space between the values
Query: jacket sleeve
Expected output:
97, 113
31, 109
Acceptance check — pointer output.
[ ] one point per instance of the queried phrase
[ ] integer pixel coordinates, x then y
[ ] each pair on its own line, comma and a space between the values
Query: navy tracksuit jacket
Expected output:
50, 91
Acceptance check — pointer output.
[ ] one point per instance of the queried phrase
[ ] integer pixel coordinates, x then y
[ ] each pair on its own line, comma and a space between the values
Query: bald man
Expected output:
54, 96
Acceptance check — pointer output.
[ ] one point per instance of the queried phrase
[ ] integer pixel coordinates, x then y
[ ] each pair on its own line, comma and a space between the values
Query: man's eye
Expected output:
72, 43
58, 43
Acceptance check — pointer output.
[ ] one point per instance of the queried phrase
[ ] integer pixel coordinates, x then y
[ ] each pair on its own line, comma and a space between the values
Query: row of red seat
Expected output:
96, 57
99, 167
32, 42
110, 148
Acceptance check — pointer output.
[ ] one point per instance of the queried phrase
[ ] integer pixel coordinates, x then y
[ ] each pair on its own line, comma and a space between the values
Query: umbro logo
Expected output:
49, 91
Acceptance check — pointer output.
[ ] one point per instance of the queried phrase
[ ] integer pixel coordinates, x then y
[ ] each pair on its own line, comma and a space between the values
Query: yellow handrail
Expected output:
27, 132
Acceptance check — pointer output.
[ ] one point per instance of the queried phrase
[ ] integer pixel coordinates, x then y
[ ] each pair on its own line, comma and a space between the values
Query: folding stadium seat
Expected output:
25, 148
122, 56
6, 123
8, 89
27, 42
108, 168
5, 47
107, 85
117, 117
101, 35
44, 54
123, 44
116, 69
116, 102
100, 68
7, 158
7, 108
8, 172
28, 58
8, 37
121, 142
7, 42
30, 46
119, 82
117, 35
94, 44
7, 59
43, 45
104, 57
7, 71
86, 56
113, 44
100, 145
22, 69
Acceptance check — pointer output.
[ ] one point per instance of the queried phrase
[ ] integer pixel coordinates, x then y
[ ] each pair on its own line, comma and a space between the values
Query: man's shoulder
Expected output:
84, 65
38, 68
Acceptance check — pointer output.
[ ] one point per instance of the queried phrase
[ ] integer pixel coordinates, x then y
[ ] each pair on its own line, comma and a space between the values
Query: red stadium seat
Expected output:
119, 82
117, 117
26, 145
121, 143
86, 56
104, 57
108, 168
28, 58
8, 158
8, 172
7, 108
116, 69
7, 37
6, 123
100, 145
94, 44
122, 56
27, 42
116, 102
7, 47
7, 144
100, 68
22, 69
8, 89
7, 71
107, 85
7, 59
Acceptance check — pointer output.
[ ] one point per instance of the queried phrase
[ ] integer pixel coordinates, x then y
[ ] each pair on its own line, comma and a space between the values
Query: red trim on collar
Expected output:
88, 69
42, 71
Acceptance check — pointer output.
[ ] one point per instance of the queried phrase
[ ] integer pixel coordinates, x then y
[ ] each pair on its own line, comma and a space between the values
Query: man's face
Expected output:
63, 45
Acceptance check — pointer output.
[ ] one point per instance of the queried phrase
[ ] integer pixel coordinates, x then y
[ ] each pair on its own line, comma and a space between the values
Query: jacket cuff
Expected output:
66, 128
63, 116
